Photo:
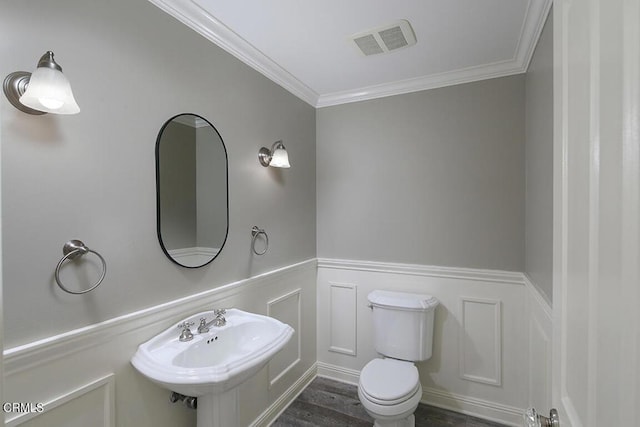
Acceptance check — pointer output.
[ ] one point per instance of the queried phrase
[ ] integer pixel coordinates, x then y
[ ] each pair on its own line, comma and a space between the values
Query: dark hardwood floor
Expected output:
329, 403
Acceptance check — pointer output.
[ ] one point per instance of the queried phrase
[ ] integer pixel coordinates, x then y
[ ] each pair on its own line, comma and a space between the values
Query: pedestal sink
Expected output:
212, 364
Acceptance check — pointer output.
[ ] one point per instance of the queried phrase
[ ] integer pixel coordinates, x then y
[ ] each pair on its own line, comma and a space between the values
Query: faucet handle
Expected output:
186, 334
203, 328
220, 311
186, 325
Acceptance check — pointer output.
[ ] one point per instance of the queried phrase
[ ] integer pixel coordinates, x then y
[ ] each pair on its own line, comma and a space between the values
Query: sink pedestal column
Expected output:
218, 409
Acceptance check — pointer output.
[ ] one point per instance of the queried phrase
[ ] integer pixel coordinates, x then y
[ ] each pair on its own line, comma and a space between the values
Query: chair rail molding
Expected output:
479, 275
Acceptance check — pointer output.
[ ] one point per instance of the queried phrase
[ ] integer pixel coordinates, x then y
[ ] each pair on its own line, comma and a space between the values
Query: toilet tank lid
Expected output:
403, 300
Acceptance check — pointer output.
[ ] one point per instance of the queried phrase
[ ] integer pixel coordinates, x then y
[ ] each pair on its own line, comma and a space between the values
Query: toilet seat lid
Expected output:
389, 380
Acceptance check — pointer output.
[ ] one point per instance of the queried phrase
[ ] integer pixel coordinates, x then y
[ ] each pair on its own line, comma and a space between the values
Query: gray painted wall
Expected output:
92, 176
433, 177
539, 164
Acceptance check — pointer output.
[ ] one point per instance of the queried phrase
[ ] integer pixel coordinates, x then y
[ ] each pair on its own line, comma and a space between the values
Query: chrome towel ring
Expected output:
75, 249
255, 232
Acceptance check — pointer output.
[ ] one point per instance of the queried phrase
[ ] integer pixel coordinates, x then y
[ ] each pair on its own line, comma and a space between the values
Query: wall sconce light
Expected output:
46, 90
277, 157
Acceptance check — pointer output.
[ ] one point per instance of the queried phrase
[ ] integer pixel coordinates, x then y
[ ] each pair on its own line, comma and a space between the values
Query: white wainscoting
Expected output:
89, 405
343, 311
486, 360
287, 309
61, 371
480, 346
90, 367
540, 330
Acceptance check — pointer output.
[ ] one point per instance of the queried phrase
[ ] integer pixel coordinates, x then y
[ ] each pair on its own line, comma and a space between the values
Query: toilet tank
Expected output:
403, 324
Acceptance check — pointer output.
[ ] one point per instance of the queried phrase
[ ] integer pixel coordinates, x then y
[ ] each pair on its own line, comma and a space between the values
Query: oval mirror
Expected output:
192, 190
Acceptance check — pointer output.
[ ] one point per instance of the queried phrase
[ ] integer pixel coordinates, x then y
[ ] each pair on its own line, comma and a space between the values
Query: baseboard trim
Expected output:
475, 274
338, 373
282, 403
480, 408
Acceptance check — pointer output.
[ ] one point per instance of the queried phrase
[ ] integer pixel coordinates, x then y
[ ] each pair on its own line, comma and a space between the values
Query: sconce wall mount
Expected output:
46, 90
276, 157
14, 86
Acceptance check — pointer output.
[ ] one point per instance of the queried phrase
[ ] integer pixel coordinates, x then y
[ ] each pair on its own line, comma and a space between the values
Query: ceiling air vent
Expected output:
385, 39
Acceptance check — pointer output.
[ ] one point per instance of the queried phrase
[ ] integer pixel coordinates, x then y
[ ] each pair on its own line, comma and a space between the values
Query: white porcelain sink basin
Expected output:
215, 361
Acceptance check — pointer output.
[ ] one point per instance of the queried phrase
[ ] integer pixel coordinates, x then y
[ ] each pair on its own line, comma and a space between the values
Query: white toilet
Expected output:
389, 388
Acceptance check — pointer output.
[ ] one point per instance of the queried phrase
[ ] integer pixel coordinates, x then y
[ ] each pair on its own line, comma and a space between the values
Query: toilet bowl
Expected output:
389, 387
390, 392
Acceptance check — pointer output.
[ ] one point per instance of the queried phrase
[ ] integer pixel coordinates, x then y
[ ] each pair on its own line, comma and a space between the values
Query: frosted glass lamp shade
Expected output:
277, 157
49, 91
46, 90
280, 158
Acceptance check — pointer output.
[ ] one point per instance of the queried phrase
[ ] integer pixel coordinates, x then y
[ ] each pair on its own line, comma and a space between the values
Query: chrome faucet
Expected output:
218, 321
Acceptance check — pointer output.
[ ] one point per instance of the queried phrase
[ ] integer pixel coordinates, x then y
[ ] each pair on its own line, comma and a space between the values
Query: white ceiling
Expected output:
305, 46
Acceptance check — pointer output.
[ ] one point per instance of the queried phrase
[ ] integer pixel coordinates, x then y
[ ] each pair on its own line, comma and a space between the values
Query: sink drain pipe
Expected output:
188, 401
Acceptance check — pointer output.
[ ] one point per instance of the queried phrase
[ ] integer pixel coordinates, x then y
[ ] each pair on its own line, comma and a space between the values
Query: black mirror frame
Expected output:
158, 213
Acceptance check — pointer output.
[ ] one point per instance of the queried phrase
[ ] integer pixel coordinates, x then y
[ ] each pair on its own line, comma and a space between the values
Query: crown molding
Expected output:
450, 78
535, 18
195, 17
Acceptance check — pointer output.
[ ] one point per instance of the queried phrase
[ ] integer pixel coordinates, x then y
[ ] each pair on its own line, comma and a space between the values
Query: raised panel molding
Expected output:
103, 408
343, 318
480, 340
286, 308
